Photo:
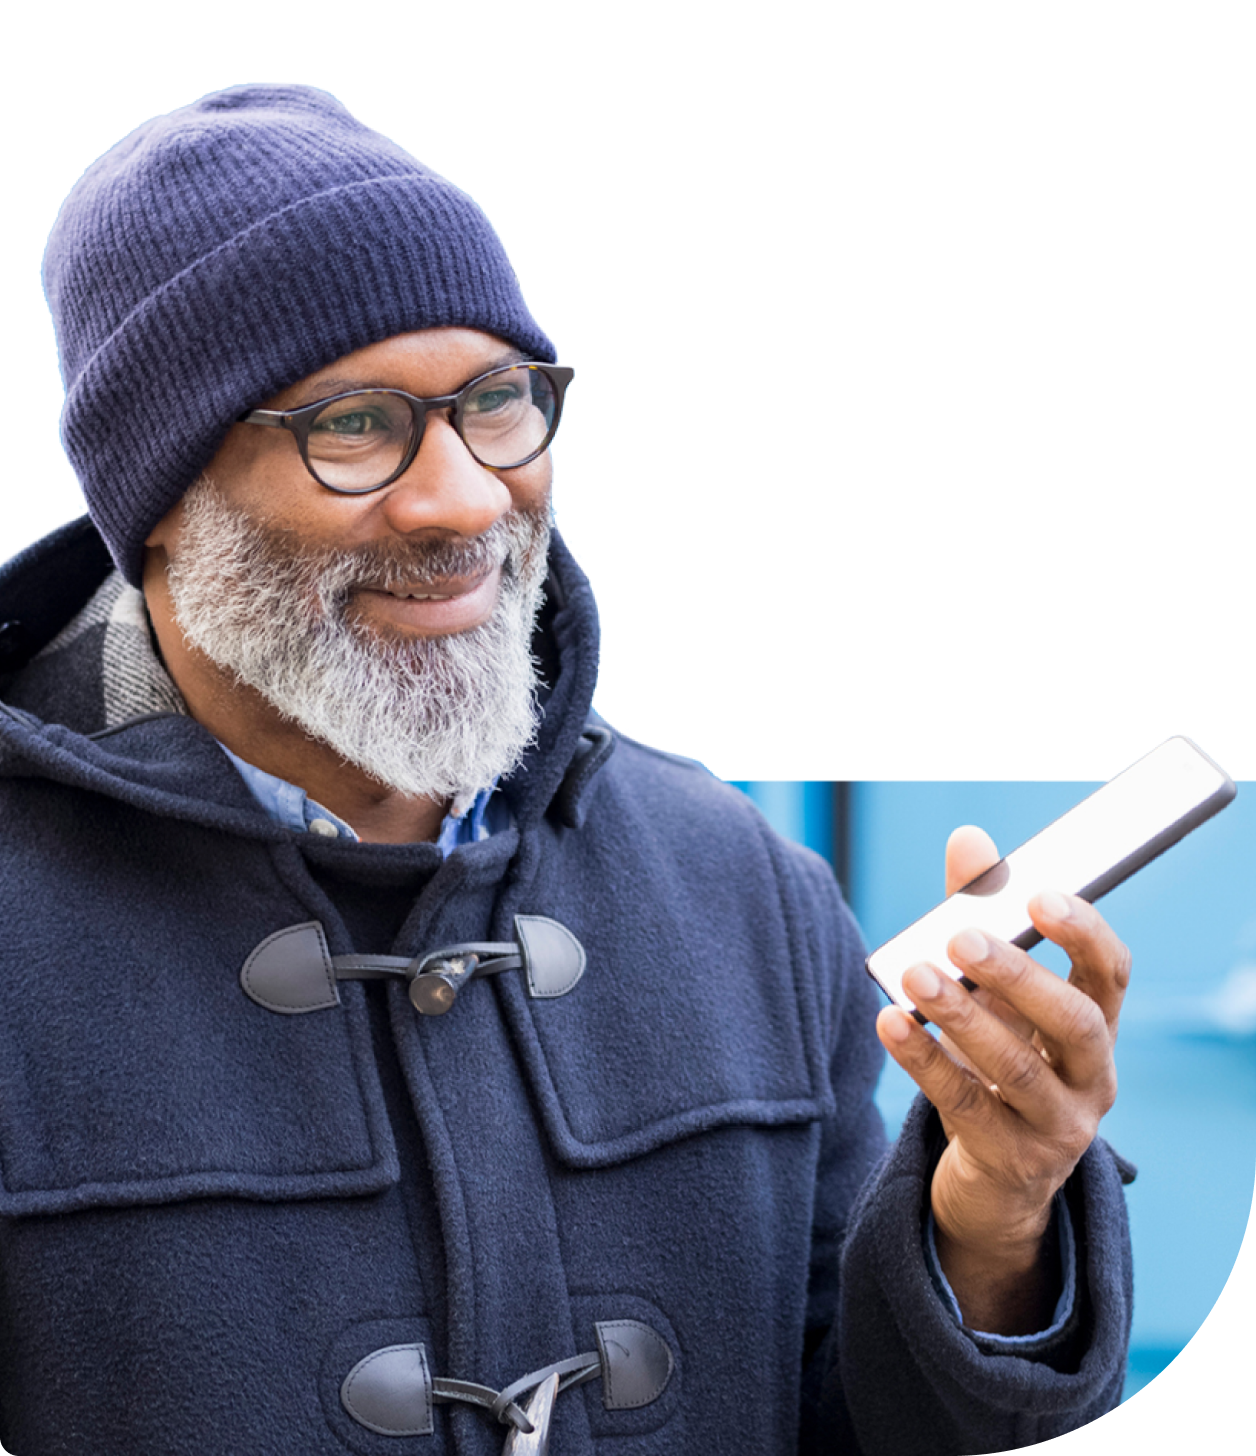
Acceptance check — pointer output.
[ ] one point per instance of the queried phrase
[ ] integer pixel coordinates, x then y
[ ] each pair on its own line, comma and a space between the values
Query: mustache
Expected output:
399, 562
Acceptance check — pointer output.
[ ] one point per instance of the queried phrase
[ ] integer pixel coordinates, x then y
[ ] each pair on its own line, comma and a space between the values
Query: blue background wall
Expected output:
1186, 1057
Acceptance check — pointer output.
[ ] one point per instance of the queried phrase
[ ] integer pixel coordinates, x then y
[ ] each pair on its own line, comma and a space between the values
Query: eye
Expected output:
352, 421
496, 395
492, 399
358, 423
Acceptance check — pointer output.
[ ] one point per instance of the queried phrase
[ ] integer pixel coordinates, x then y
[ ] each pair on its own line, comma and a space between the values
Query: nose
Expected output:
444, 489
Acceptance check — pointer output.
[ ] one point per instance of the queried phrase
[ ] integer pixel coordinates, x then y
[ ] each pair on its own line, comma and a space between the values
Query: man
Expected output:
392, 1056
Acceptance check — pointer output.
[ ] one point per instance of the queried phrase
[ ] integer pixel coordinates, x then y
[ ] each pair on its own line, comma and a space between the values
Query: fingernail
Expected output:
895, 1027
925, 983
1054, 906
971, 945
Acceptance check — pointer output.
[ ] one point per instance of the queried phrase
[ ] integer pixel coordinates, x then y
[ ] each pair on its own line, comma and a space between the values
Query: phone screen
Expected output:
1102, 841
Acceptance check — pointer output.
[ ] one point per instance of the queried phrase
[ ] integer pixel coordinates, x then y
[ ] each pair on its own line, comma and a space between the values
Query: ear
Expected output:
165, 532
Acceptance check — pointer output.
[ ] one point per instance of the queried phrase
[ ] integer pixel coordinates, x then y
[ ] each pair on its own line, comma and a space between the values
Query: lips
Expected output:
431, 608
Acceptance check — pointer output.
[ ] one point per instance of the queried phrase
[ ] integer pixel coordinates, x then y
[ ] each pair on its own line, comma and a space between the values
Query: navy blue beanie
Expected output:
221, 253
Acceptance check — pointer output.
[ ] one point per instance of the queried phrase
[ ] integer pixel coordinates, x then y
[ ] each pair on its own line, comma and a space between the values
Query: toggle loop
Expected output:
573, 1371
292, 971
391, 1390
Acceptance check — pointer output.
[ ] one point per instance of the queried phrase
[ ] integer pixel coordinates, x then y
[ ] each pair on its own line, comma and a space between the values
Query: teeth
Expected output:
423, 596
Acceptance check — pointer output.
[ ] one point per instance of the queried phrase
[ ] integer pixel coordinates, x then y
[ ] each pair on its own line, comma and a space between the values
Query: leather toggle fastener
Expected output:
292, 972
392, 1391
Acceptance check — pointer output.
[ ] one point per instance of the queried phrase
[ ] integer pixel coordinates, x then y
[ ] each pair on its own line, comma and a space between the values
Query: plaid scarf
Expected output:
106, 660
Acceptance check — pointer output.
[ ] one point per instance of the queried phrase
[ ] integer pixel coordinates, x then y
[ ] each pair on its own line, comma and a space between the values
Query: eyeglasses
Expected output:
359, 442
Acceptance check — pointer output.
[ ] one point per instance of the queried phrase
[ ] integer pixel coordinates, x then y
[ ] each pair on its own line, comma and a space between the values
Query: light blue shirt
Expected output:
1063, 1305
489, 813
292, 807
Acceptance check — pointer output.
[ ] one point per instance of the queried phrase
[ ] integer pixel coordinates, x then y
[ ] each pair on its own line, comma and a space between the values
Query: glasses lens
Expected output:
509, 415
356, 442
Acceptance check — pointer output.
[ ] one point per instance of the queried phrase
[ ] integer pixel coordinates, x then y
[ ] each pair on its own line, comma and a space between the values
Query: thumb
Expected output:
969, 851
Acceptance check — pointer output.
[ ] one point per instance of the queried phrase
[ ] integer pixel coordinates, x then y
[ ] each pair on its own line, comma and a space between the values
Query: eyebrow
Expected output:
324, 388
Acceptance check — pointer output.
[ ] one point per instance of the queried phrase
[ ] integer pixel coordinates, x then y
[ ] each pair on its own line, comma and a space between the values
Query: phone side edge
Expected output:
893, 1000
1118, 873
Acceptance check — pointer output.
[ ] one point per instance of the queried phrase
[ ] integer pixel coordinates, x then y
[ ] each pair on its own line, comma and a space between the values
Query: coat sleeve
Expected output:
890, 1371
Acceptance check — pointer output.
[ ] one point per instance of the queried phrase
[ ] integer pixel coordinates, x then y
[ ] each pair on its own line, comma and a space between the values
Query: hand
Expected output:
1020, 1077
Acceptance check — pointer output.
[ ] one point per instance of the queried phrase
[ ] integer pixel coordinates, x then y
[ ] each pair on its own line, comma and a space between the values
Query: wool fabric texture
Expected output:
228, 249
210, 1213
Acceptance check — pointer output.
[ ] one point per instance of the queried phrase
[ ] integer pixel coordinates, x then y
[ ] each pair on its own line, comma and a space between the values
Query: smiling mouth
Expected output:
450, 604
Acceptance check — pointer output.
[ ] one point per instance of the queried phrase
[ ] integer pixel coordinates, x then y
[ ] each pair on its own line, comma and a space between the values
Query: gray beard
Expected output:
432, 717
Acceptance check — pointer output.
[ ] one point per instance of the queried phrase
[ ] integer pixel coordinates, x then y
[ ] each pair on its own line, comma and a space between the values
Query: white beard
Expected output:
432, 717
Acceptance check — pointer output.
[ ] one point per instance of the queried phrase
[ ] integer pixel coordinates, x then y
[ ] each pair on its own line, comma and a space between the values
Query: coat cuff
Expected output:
1049, 1384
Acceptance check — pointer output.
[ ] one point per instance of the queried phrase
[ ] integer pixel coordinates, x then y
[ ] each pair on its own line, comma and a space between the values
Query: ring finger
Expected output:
1068, 1022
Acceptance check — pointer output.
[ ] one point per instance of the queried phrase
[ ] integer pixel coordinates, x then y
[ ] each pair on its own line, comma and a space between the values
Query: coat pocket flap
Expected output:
649, 1049
175, 1086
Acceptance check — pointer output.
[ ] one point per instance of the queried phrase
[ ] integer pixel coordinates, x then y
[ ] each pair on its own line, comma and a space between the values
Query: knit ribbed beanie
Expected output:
221, 253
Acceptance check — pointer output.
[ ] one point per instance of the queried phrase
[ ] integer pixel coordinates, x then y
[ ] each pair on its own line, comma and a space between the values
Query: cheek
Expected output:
530, 486
261, 471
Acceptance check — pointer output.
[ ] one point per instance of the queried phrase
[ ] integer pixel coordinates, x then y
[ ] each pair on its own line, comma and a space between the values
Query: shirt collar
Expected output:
292, 808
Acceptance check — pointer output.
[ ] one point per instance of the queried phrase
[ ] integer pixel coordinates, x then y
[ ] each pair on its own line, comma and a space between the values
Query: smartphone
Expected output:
1086, 852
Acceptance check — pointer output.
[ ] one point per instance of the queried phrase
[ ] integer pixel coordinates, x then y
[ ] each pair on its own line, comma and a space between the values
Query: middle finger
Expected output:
1070, 1024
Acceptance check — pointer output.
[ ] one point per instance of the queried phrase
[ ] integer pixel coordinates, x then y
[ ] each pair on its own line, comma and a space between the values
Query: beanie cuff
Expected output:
287, 296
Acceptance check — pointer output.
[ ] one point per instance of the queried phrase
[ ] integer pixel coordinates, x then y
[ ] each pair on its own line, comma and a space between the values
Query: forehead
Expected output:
425, 362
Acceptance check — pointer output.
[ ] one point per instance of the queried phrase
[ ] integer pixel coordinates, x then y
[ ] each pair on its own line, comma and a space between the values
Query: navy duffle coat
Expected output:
213, 1213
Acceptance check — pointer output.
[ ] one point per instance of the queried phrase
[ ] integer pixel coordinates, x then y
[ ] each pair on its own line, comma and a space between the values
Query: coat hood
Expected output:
53, 725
